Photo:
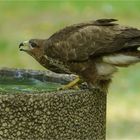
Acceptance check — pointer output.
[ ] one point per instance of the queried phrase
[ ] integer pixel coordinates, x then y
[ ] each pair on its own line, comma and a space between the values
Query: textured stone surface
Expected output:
63, 115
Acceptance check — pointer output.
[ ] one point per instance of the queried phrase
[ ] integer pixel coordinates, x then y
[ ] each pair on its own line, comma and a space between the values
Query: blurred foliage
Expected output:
21, 20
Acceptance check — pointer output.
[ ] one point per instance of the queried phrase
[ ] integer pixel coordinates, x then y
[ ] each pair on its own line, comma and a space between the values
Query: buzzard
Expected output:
92, 50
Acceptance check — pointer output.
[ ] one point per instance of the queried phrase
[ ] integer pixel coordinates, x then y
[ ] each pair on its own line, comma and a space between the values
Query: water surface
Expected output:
26, 85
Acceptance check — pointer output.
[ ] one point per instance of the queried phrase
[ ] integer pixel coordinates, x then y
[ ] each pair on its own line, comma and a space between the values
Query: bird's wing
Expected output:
81, 41
69, 30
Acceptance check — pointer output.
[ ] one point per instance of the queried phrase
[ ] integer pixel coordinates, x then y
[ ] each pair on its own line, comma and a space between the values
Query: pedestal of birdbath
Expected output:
43, 114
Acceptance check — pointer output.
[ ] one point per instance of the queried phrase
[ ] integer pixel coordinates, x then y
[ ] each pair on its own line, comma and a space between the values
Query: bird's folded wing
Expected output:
78, 43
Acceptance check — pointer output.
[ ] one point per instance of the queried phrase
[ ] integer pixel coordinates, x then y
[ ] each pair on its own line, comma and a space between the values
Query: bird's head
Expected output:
33, 47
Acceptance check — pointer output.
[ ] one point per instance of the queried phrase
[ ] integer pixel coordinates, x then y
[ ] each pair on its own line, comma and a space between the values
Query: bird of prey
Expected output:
92, 50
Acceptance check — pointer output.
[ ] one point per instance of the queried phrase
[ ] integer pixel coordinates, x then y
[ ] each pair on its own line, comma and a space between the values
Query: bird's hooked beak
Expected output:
24, 46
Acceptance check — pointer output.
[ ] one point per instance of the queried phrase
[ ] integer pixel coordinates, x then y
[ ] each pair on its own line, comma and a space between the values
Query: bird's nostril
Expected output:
21, 44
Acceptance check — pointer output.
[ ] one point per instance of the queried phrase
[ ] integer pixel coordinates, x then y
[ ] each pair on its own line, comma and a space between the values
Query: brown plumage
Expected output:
91, 50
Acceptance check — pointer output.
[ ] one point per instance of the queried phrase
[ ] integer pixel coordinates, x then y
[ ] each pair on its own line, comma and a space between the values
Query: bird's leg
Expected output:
101, 85
70, 84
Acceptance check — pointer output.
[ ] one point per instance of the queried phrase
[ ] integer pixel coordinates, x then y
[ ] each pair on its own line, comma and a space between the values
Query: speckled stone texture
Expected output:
61, 115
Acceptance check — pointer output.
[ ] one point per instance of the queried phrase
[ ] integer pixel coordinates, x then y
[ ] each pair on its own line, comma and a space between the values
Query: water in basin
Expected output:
26, 85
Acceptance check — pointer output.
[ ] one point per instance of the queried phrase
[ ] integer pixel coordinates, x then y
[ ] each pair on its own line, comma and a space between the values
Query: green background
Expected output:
23, 20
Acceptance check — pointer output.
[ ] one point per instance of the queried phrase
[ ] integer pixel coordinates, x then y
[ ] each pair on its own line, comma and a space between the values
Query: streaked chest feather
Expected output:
58, 64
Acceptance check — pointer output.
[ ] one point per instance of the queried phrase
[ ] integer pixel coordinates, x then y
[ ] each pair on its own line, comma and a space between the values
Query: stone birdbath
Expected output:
31, 107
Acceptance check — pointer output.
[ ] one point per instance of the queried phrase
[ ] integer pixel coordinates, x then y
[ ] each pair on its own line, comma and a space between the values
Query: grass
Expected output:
22, 20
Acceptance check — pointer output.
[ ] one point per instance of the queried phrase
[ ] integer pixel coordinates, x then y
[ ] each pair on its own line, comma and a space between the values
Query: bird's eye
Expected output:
33, 45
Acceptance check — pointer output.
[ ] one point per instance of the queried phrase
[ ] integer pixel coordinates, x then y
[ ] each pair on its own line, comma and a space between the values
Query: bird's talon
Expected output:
65, 87
72, 84
60, 88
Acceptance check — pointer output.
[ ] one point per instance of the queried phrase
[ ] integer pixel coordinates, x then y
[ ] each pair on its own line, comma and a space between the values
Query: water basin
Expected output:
30, 80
